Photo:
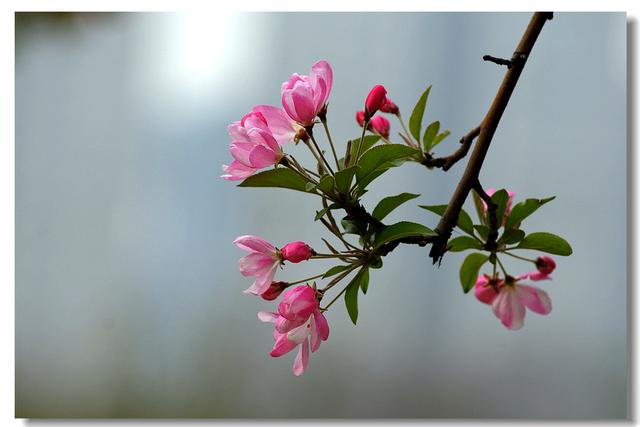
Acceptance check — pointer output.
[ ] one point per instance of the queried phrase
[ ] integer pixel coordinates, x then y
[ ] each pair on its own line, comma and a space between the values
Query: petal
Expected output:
236, 171
535, 276
508, 308
267, 316
321, 72
255, 244
300, 333
534, 299
315, 337
282, 346
261, 157
484, 292
262, 283
302, 359
237, 132
241, 151
321, 325
284, 325
255, 264
282, 127
302, 97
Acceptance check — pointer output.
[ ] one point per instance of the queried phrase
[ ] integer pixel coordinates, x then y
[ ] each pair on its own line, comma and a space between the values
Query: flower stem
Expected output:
306, 280
333, 149
502, 267
364, 129
318, 159
315, 144
520, 257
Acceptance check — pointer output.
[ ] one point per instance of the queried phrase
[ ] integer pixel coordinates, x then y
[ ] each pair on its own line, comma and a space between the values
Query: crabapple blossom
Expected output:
261, 263
545, 264
389, 107
296, 252
303, 97
375, 99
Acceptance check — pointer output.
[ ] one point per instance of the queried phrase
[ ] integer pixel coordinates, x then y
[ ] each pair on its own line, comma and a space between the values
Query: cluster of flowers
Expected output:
509, 298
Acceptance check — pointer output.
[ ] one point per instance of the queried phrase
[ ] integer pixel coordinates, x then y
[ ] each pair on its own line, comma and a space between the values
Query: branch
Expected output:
487, 130
447, 162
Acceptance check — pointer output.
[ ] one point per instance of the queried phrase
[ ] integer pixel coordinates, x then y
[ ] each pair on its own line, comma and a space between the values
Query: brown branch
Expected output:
487, 130
447, 162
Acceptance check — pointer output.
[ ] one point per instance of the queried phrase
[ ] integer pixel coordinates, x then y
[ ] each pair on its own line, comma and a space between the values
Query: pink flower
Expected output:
298, 322
389, 107
360, 118
261, 263
509, 299
304, 96
375, 99
381, 126
545, 265
253, 147
296, 252
282, 128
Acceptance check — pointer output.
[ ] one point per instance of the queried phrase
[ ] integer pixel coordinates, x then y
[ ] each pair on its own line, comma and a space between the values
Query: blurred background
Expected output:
128, 296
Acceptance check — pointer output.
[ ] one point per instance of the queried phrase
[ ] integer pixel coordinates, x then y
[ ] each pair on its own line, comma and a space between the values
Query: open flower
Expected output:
509, 299
298, 323
253, 147
303, 97
261, 263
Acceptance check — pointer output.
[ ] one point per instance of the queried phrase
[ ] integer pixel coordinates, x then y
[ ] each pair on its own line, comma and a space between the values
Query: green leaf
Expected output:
546, 242
464, 220
500, 198
438, 139
354, 226
388, 204
463, 243
378, 159
351, 294
344, 178
483, 231
322, 212
511, 237
326, 184
279, 177
335, 270
399, 230
415, 121
368, 142
523, 209
430, 135
364, 281
477, 202
469, 270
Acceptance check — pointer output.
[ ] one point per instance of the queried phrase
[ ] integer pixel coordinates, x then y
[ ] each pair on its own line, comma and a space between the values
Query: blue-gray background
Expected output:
128, 298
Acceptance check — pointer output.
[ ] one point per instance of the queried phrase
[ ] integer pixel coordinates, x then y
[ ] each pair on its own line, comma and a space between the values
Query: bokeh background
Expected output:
128, 297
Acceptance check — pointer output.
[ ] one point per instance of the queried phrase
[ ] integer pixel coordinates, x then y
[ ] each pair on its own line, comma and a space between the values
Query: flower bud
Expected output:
296, 251
360, 118
376, 99
381, 126
545, 265
274, 291
389, 107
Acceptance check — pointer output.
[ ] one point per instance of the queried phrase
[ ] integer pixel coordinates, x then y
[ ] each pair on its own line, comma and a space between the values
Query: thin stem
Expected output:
306, 280
320, 152
303, 175
301, 168
404, 128
502, 266
318, 159
333, 149
364, 129
520, 257
386, 141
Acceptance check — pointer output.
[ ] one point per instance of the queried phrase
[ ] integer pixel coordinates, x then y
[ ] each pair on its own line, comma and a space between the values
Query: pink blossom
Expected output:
389, 107
253, 147
510, 299
545, 265
274, 290
298, 322
381, 126
492, 191
261, 263
375, 99
282, 128
303, 97
296, 252
360, 118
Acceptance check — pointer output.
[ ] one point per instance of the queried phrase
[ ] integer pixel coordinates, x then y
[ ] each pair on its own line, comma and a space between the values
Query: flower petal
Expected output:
300, 333
508, 308
236, 171
315, 337
282, 127
262, 283
534, 299
282, 346
267, 316
484, 292
261, 157
321, 325
321, 78
302, 359
255, 264
251, 243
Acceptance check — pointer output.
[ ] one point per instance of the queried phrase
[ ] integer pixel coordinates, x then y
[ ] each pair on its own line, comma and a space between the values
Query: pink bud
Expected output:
376, 99
381, 126
274, 291
360, 118
545, 265
296, 251
389, 107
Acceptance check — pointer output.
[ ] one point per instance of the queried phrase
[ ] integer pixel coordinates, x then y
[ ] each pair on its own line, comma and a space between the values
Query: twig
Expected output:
487, 130
498, 61
447, 162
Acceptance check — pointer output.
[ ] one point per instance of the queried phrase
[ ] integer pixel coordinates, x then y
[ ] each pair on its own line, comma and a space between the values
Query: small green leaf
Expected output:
415, 121
523, 209
469, 270
354, 226
368, 142
388, 204
500, 198
364, 281
326, 184
430, 135
399, 230
344, 178
483, 231
438, 139
378, 159
479, 205
546, 242
464, 220
511, 237
335, 270
463, 243
279, 177
351, 294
